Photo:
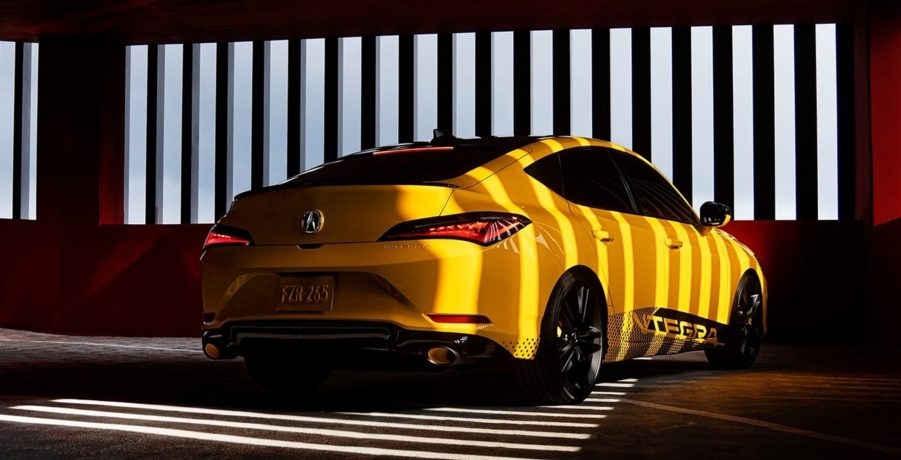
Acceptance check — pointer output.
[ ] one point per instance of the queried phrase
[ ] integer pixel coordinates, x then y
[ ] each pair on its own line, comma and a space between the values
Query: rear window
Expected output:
407, 164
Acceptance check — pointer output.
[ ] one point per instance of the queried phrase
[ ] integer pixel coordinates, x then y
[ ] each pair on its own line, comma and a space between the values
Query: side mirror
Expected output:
715, 214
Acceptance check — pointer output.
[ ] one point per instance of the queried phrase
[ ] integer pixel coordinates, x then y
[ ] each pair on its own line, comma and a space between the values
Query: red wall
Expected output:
885, 109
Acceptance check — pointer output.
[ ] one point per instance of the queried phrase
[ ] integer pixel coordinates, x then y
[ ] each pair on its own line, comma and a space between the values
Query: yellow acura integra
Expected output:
554, 254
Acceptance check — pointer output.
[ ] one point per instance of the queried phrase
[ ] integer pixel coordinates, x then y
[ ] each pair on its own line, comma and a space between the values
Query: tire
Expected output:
745, 332
285, 373
570, 350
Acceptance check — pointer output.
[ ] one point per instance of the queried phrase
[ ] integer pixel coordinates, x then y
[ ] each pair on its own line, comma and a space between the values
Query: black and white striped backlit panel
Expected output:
759, 117
18, 134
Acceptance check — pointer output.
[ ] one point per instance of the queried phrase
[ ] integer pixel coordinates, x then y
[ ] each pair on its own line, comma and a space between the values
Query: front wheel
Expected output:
742, 344
570, 350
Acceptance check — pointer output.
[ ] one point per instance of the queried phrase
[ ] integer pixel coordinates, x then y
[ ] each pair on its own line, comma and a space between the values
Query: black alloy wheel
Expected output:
745, 333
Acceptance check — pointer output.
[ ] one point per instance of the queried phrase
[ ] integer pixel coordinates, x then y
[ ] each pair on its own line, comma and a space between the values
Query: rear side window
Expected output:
547, 171
652, 192
591, 179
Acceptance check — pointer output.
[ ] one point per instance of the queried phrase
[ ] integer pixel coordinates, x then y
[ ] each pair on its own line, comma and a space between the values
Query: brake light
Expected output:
224, 235
459, 319
481, 228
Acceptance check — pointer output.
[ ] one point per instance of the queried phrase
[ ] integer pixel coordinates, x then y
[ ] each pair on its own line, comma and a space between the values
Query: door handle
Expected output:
673, 243
602, 235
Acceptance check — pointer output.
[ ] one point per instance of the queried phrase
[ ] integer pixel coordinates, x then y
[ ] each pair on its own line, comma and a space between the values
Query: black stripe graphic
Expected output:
806, 121
764, 124
846, 121
562, 81
682, 169
187, 123
330, 137
483, 84
641, 91
406, 88
221, 157
723, 129
18, 87
258, 104
152, 82
367, 91
522, 78
446, 82
294, 105
600, 83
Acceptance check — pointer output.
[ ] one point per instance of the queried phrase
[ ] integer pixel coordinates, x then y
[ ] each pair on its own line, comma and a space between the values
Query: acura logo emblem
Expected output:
312, 221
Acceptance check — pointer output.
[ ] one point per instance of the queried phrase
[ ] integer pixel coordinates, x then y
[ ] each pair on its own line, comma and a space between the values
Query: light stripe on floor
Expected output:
769, 425
513, 412
296, 430
601, 400
498, 421
615, 385
627, 380
335, 421
108, 345
609, 393
245, 440
580, 407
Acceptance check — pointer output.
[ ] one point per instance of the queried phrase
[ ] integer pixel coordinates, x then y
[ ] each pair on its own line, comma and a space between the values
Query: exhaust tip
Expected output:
211, 351
441, 356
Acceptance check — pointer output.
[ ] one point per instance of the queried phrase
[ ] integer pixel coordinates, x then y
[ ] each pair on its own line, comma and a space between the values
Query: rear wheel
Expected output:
742, 343
570, 350
285, 373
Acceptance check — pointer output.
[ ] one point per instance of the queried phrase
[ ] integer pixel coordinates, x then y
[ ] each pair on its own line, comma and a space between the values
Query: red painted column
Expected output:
885, 110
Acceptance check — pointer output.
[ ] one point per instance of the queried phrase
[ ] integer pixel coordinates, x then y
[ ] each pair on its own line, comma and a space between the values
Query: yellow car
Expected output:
554, 254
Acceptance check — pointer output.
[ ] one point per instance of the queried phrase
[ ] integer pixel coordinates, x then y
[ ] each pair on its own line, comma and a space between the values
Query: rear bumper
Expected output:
351, 343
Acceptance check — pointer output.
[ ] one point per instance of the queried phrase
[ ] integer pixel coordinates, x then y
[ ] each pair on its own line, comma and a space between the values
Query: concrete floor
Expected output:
78, 397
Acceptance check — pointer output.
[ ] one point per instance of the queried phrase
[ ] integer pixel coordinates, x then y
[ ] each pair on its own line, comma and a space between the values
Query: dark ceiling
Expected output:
161, 21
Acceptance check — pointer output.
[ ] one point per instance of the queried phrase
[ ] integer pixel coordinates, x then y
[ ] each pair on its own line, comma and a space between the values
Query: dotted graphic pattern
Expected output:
522, 349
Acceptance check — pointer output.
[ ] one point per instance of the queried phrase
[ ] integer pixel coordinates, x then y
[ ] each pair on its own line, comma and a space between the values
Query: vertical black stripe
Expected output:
723, 128
152, 82
764, 123
187, 169
221, 157
446, 82
682, 167
846, 121
18, 87
806, 121
406, 88
294, 104
641, 91
368, 89
600, 83
483, 84
330, 139
522, 78
561, 76
258, 104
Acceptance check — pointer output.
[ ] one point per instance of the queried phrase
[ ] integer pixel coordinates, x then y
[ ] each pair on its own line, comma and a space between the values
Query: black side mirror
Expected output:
715, 214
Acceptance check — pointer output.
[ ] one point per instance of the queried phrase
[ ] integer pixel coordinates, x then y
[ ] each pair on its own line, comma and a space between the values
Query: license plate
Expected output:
306, 293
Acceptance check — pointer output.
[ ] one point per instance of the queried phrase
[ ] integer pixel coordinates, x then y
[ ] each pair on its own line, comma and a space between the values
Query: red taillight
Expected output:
481, 228
459, 319
223, 235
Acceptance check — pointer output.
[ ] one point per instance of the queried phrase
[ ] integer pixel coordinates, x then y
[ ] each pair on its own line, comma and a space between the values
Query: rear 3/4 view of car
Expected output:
551, 255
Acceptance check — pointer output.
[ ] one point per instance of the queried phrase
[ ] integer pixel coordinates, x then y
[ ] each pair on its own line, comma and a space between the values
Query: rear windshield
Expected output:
407, 164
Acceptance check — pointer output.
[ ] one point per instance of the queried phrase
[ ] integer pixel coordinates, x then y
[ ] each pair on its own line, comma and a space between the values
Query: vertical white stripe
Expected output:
464, 85
621, 86
29, 129
827, 123
168, 160
701, 115
386, 96
502, 83
312, 87
541, 63
7, 85
205, 130
275, 124
135, 133
580, 82
194, 130
784, 98
349, 94
743, 121
240, 71
425, 119
662, 98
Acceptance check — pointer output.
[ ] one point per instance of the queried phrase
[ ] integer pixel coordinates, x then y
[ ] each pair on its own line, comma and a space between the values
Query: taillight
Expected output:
481, 228
224, 235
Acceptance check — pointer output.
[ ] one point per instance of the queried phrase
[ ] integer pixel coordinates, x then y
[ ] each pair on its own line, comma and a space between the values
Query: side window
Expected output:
547, 171
591, 179
652, 192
